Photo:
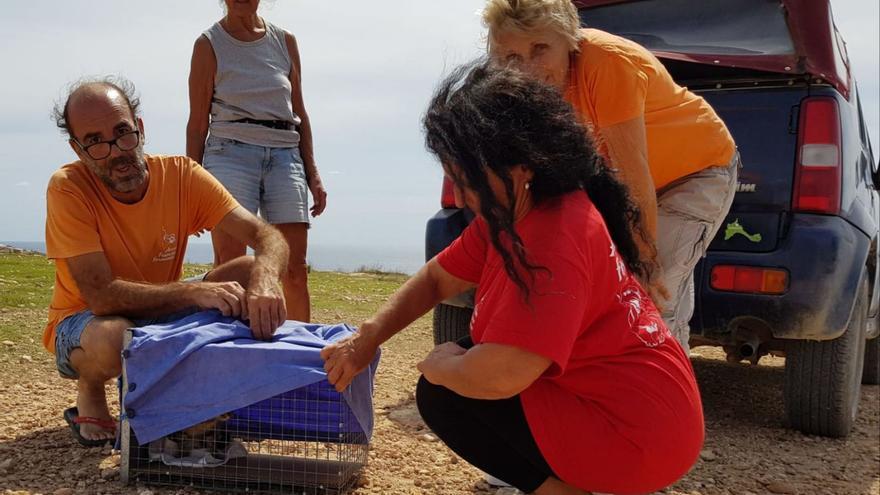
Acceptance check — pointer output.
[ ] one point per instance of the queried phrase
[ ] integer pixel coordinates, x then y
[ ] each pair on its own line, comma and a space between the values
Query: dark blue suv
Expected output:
793, 271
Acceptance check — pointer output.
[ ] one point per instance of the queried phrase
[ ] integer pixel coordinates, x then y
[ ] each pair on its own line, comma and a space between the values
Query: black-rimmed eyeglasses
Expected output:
101, 149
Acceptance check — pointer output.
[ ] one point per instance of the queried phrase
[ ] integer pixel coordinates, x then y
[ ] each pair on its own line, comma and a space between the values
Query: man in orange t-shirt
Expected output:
667, 144
117, 226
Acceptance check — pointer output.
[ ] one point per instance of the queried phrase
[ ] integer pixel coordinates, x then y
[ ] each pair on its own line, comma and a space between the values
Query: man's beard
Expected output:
135, 177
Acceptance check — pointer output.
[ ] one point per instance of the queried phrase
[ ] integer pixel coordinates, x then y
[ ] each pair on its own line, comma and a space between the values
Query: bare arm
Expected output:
107, 295
628, 147
316, 186
485, 371
201, 90
264, 299
416, 297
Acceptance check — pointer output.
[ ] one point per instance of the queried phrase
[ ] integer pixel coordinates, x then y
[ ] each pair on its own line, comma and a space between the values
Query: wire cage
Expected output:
304, 441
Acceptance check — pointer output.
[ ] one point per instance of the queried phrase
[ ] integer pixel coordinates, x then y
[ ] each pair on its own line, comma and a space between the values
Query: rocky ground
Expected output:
748, 449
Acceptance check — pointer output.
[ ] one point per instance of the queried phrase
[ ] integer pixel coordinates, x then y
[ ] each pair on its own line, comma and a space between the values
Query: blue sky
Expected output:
368, 67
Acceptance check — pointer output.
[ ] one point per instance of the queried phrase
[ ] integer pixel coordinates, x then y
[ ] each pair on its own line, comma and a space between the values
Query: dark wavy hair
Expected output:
119, 83
485, 117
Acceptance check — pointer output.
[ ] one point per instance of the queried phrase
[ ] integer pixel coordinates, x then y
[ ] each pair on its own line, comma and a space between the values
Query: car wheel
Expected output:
823, 378
871, 374
451, 323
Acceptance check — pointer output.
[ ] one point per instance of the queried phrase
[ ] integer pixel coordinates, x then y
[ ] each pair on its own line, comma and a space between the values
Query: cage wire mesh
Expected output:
305, 441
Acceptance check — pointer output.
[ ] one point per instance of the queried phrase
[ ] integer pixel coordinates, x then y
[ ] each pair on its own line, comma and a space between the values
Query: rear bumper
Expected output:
825, 257
443, 228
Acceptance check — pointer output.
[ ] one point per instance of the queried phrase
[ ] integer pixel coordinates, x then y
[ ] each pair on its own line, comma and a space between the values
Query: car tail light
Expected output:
817, 179
447, 196
750, 279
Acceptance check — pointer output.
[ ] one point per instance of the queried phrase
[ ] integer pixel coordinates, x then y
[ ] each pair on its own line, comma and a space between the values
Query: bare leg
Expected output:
226, 248
236, 269
296, 282
96, 361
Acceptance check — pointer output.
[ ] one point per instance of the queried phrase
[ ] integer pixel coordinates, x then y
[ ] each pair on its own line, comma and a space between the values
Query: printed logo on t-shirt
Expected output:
169, 248
631, 299
621, 266
475, 313
641, 315
652, 333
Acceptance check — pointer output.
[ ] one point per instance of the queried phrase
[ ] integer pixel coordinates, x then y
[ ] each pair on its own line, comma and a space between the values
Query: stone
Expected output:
428, 437
781, 487
707, 455
63, 491
8, 343
26, 359
407, 416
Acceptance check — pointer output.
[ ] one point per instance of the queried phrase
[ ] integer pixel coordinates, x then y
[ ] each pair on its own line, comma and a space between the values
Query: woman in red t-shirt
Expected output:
571, 380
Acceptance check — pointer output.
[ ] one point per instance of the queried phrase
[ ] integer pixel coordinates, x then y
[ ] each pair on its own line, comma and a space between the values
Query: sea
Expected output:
397, 259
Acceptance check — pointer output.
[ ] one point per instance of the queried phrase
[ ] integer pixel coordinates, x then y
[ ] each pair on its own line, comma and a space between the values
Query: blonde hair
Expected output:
526, 15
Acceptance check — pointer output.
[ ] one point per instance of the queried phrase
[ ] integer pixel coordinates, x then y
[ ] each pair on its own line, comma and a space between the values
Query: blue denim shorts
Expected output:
69, 332
269, 180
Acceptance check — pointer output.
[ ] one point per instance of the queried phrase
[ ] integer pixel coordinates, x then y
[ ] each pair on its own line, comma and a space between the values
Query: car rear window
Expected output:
705, 27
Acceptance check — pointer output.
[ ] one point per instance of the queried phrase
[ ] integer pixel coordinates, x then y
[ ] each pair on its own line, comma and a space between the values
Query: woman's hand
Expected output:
319, 194
343, 360
438, 359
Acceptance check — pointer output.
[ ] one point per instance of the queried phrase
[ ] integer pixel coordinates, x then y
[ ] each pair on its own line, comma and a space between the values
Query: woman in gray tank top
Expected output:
246, 99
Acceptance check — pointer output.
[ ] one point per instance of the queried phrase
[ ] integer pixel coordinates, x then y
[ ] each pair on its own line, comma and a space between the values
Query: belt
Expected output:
274, 124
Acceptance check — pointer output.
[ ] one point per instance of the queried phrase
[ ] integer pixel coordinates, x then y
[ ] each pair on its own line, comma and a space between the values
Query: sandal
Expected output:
73, 419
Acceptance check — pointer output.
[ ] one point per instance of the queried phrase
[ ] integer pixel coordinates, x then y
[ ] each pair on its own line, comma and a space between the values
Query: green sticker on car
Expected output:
735, 228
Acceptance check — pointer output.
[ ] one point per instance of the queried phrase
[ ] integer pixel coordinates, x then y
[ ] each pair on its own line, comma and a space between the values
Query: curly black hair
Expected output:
484, 117
119, 83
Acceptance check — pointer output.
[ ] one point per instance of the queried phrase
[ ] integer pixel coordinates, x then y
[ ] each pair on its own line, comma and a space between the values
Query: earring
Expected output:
528, 185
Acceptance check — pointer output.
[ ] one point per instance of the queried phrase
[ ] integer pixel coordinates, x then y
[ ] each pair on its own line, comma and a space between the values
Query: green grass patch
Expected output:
24, 328
193, 270
350, 296
26, 280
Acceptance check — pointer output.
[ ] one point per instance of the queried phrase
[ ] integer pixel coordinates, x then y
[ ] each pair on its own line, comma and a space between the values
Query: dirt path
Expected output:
747, 449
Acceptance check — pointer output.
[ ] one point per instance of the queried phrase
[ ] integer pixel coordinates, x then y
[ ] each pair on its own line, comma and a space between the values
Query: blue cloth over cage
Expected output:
310, 413
194, 369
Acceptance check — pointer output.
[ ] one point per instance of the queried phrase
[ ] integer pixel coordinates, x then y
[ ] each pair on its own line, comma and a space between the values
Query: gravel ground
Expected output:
748, 450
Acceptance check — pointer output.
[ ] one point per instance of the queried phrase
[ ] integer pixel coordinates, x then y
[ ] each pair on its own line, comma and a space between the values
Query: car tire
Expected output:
823, 378
871, 373
451, 323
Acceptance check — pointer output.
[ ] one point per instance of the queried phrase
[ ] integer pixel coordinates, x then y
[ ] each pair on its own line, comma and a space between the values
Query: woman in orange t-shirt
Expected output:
668, 145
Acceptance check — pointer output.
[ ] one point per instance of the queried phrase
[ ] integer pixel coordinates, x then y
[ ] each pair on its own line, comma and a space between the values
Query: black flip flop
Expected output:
73, 419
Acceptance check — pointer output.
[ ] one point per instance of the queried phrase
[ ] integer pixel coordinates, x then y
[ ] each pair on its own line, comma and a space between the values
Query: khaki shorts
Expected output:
689, 213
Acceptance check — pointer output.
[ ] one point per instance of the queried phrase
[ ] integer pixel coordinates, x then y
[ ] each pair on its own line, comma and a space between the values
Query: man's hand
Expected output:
437, 358
319, 194
265, 307
228, 297
343, 360
264, 300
